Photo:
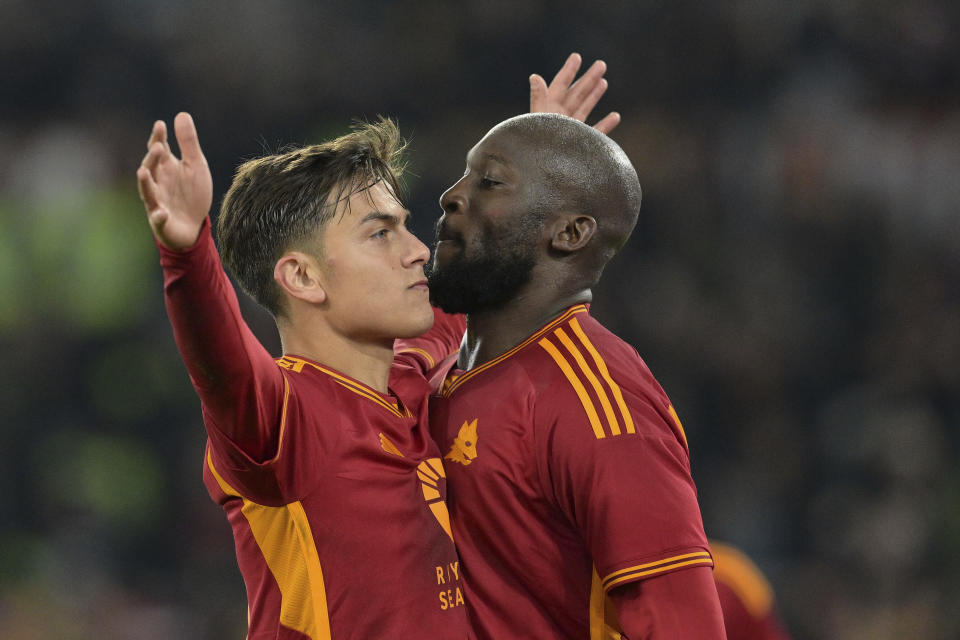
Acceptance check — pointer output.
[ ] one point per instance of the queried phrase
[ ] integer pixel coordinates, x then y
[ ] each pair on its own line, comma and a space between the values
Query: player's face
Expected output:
489, 234
372, 269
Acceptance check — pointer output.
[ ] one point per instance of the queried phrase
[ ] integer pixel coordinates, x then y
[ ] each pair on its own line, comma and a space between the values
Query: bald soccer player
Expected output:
568, 468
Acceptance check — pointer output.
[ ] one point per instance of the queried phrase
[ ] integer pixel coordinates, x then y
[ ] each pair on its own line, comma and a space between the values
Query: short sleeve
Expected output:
620, 473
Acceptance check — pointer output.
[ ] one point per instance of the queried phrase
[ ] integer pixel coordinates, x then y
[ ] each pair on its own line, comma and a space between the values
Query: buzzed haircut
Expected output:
585, 171
280, 202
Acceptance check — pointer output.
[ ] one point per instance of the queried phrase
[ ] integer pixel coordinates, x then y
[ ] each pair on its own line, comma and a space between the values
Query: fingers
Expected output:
187, 138
588, 83
567, 72
608, 123
147, 189
583, 106
154, 156
157, 134
156, 214
538, 93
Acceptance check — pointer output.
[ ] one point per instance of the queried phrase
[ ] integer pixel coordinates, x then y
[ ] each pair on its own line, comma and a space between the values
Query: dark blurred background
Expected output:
794, 280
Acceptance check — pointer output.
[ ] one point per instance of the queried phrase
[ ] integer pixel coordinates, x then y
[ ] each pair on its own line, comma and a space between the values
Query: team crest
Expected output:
464, 448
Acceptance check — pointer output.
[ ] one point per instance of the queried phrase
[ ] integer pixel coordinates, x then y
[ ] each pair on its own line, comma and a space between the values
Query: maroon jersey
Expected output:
335, 492
569, 476
746, 597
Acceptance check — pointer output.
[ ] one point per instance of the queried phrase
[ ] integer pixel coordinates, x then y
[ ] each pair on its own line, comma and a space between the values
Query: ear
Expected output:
299, 275
571, 232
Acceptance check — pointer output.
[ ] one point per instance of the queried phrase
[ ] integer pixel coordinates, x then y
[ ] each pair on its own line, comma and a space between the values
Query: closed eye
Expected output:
486, 182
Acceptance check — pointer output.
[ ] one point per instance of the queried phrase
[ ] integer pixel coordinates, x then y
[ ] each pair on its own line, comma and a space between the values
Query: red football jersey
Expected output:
746, 597
335, 492
569, 476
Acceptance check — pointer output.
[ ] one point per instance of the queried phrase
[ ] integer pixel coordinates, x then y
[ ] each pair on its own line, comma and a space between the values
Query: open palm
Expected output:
177, 193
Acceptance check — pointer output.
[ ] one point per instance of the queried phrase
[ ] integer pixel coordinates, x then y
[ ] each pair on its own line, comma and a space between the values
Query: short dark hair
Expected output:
279, 201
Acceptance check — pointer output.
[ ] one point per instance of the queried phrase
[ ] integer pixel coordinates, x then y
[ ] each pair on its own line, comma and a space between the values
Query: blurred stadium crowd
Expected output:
794, 281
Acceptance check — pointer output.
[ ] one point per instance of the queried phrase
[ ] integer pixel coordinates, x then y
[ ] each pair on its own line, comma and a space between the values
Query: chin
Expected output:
417, 325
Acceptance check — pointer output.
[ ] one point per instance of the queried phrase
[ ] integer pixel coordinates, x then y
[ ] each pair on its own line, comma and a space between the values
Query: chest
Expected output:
486, 434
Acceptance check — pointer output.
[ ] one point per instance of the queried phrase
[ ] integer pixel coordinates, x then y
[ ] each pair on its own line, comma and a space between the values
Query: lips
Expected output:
446, 233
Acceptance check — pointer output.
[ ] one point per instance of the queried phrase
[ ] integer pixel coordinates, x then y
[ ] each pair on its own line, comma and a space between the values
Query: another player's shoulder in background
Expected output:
746, 598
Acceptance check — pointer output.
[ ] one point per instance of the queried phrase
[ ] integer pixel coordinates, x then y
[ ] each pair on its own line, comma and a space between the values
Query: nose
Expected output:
452, 200
417, 252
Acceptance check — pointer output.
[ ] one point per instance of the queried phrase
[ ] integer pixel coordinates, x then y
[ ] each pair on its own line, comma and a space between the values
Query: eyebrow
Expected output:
387, 217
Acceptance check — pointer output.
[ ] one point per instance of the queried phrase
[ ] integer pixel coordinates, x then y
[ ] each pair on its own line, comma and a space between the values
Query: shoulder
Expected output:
580, 364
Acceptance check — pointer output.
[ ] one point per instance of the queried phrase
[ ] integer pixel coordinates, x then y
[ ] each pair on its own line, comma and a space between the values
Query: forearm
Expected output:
681, 604
236, 379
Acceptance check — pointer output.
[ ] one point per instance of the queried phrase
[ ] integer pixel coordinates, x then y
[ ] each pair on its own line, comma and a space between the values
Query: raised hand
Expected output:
574, 99
177, 193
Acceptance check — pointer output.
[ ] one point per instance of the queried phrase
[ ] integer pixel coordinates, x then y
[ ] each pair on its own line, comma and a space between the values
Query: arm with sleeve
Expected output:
633, 499
239, 384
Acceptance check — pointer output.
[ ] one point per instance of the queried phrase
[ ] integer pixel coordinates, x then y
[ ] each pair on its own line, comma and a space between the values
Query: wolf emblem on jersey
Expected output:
464, 448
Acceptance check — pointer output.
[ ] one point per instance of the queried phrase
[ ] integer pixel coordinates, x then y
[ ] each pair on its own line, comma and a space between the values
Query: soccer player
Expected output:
332, 485
322, 458
746, 598
567, 466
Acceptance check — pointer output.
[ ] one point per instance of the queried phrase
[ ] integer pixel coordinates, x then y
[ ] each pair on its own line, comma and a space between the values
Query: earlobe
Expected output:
571, 233
298, 276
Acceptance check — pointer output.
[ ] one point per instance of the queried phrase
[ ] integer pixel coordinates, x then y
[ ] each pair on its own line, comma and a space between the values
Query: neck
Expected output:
492, 333
366, 361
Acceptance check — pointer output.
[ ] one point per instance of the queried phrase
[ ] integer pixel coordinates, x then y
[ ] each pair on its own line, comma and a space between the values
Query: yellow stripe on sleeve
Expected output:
602, 367
577, 386
601, 394
658, 566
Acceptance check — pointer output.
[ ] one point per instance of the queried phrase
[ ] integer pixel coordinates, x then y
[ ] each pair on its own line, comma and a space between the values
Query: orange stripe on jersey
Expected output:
283, 417
734, 569
659, 566
454, 383
392, 408
297, 364
423, 352
577, 386
388, 446
602, 367
286, 541
596, 607
601, 394
676, 419
603, 618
